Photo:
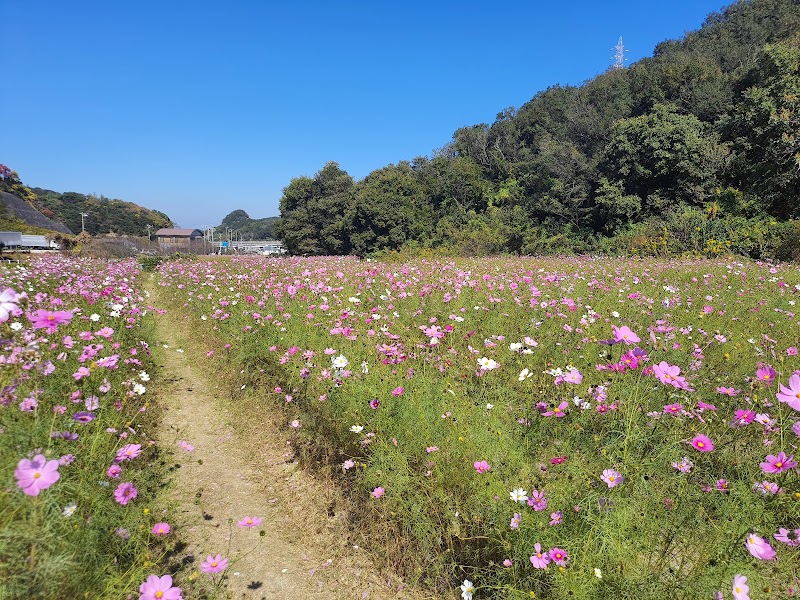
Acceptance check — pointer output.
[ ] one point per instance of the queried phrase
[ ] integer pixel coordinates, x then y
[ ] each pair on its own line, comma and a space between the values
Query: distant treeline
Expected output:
695, 149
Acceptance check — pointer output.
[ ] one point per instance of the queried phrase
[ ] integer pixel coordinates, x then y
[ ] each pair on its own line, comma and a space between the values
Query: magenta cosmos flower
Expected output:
778, 464
125, 492
250, 522
50, 320
378, 492
36, 474
214, 564
481, 466
702, 443
791, 395
766, 374
759, 547
559, 556
159, 588
612, 478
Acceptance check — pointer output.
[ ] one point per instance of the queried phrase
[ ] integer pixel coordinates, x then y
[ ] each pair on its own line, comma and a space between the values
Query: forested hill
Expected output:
696, 148
103, 215
241, 225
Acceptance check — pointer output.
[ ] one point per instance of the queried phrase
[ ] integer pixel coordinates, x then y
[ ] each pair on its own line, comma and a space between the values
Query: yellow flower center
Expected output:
700, 444
51, 317
779, 464
159, 594
214, 564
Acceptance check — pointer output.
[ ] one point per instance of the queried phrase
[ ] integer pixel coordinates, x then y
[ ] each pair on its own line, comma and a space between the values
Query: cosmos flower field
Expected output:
79, 467
517, 428
502, 428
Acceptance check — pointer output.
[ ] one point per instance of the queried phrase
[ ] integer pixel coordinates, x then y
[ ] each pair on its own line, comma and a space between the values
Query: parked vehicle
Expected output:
11, 239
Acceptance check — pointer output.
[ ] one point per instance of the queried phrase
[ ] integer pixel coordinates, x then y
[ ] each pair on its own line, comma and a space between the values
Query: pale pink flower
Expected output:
540, 559
790, 395
36, 474
759, 547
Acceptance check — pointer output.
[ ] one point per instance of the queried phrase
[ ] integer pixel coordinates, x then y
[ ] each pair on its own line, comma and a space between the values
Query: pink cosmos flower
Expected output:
759, 547
124, 493
36, 474
250, 522
766, 374
481, 466
540, 559
8, 304
740, 588
114, 471
612, 478
537, 500
558, 411
214, 564
159, 588
728, 391
624, 334
559, 556
398, 391
702, 443
378, 492
45, 319
515, 521
791, 395
556, 518
790, 538
778, 464
128, 452
161, 529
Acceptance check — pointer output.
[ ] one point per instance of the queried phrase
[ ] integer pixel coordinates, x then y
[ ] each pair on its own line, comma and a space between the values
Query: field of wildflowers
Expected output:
517, 428
80, 472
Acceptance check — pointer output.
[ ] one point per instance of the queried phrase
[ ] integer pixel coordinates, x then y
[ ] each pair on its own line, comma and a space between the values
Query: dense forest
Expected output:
694, 149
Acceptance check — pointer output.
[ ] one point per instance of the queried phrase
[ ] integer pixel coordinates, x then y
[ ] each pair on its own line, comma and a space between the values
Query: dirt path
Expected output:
238, 470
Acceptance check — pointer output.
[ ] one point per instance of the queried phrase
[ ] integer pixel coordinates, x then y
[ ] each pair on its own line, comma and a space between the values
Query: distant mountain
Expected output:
249, 229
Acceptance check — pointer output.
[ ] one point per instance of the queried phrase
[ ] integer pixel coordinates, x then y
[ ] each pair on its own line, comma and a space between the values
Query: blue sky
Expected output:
198, 108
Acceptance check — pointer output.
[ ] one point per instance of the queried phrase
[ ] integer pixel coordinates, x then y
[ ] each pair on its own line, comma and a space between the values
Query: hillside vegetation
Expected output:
694, 149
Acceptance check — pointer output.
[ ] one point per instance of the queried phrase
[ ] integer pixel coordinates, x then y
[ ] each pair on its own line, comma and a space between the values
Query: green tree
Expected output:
390, 209
315, 213
663, 154
766, 131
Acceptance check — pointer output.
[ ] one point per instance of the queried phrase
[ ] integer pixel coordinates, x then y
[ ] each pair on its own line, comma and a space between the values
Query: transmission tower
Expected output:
619, 55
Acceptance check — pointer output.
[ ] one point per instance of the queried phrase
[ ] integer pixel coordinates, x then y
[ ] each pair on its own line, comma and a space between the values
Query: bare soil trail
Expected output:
241, 465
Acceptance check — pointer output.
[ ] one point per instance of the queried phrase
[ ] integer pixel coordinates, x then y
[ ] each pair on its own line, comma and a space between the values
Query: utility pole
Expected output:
83, 224
619, 55
148, 234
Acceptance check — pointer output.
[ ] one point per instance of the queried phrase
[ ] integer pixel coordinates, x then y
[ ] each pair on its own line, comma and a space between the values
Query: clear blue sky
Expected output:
197, 108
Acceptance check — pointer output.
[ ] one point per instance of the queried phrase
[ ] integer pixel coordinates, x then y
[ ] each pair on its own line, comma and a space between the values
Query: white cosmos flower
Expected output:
487, 364
340, 362
139, 389
94, 317
516, 346
69, 509
16, 326
524, 374
519, 495
144, 376
356, 428
467, 589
